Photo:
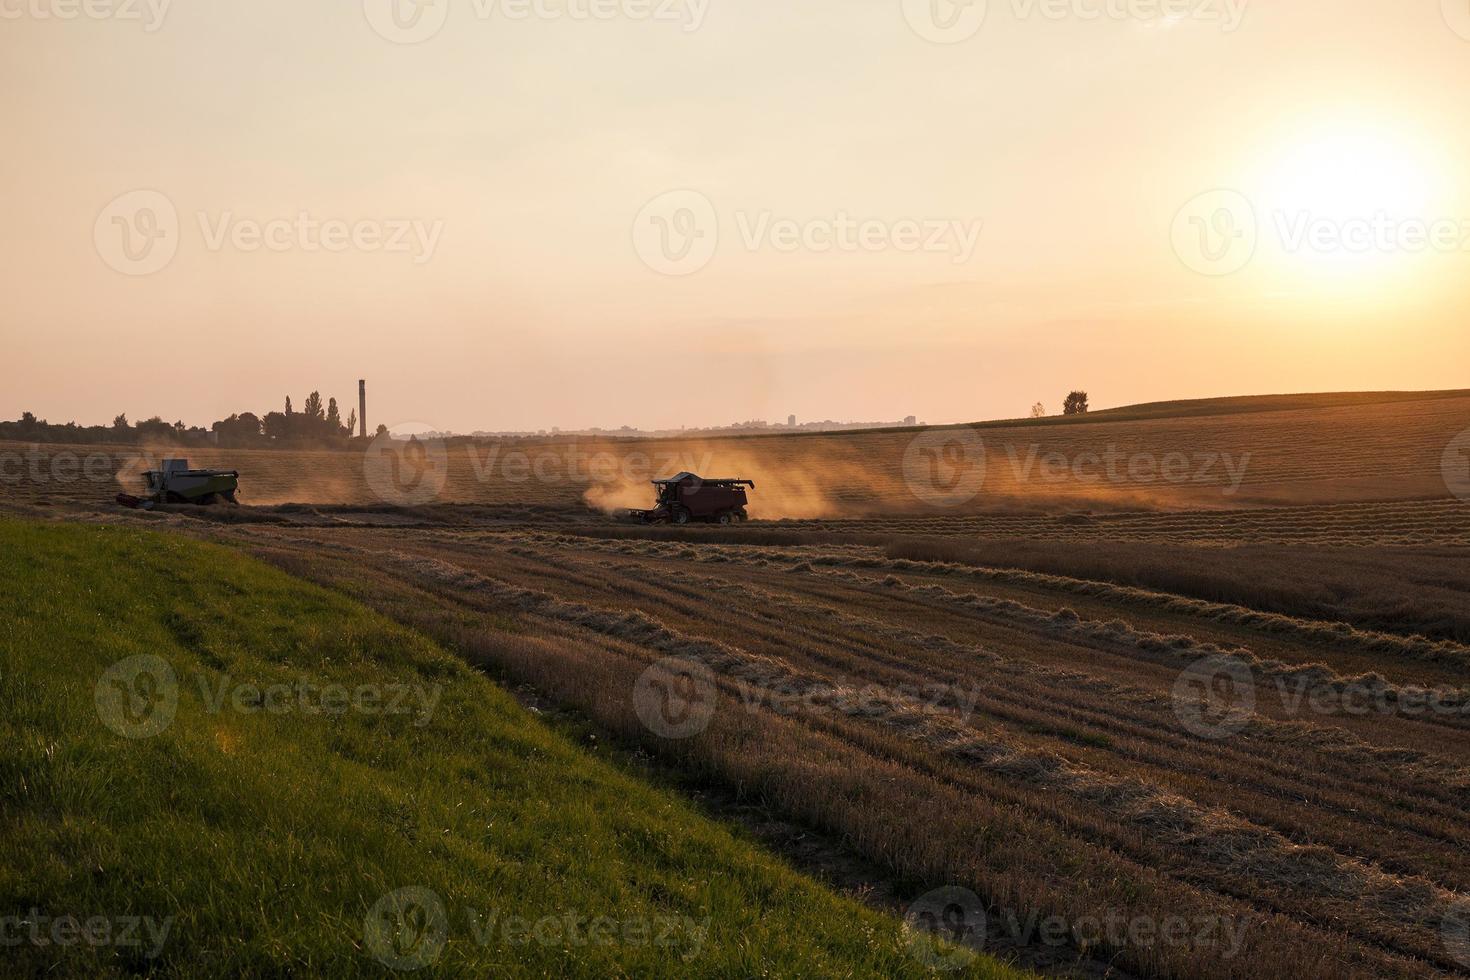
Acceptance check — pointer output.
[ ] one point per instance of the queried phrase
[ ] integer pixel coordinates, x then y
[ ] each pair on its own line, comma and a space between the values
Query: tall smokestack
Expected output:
362, 408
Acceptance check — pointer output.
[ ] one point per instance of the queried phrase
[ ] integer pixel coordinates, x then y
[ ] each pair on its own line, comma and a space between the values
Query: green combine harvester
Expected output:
176, 483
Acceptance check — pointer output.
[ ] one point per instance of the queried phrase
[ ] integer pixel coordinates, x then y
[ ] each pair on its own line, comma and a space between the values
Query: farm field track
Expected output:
1009, 711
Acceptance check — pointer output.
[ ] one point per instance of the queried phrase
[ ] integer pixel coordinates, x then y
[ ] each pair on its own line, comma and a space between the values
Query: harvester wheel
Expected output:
726, 518
681, 516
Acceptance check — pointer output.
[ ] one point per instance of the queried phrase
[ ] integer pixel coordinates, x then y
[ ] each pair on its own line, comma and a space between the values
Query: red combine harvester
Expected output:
686, 498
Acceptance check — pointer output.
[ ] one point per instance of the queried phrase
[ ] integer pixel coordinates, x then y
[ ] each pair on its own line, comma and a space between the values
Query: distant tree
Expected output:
120, 423
1076, 404
238, 430
334, 417
288, 405
276, 425
382, 429
27, 418
313, 408
352, 423
1038, 411
154, 428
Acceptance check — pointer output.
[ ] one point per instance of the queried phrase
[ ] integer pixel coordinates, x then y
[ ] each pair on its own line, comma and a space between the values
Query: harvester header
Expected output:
175, 483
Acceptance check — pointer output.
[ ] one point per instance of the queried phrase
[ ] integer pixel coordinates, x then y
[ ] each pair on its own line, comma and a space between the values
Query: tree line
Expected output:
315, 425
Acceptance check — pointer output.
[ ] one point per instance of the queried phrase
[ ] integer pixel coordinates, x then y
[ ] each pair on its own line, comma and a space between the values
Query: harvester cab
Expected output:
686, 497
175, 483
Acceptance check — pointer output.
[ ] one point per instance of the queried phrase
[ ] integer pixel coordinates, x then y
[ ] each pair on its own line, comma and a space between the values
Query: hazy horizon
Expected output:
736, 212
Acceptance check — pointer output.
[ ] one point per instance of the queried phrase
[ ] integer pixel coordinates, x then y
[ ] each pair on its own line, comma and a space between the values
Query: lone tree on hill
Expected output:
1076, 404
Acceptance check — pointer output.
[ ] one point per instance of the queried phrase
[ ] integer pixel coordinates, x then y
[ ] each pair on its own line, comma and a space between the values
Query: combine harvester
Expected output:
686, 497
175, 483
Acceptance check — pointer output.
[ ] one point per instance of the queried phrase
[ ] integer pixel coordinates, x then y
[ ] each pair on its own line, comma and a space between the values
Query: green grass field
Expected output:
212, 768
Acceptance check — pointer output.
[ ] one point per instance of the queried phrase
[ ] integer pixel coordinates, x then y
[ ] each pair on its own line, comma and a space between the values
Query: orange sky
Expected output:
880, 207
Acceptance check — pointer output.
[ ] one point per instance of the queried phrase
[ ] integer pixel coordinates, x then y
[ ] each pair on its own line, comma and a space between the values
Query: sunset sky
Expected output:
1141, 206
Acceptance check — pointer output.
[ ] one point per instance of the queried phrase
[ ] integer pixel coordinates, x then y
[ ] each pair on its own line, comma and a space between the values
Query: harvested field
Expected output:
911, 709
1243, 731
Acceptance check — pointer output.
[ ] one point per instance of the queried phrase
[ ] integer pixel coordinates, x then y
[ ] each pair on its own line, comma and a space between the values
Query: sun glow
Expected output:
1354, 201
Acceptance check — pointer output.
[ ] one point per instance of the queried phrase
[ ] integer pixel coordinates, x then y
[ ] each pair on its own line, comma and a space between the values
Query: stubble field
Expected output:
1181, 722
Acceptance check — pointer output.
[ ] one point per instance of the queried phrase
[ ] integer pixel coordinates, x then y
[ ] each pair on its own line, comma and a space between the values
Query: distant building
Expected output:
910, 420
791, 421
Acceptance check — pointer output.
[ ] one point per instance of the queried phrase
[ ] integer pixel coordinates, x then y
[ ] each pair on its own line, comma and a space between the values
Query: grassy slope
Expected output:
269, 837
